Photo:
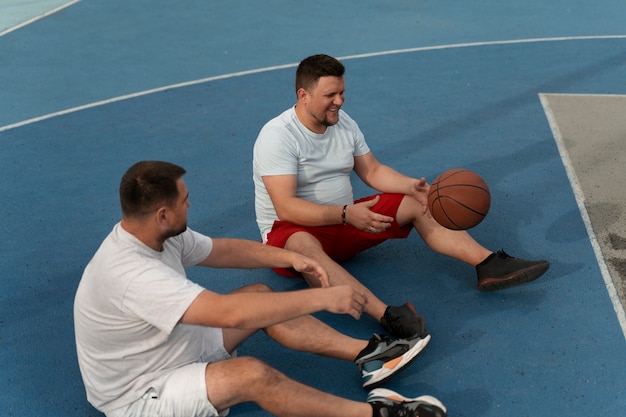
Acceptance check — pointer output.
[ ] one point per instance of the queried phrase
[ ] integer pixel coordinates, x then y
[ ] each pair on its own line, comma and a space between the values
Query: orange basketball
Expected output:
459, 199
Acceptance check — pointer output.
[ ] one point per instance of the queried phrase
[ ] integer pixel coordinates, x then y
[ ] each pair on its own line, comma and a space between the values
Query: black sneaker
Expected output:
403, 322
385, 356
387, 403
501, 271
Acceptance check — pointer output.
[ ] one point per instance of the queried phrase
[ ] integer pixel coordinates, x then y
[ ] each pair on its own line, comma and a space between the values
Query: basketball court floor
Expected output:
530, 95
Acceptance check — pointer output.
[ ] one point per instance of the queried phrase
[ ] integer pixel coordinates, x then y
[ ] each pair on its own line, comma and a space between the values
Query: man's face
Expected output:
177, 213
323, 102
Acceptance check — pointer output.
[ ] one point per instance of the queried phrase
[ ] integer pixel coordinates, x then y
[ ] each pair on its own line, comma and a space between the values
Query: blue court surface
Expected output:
93, 87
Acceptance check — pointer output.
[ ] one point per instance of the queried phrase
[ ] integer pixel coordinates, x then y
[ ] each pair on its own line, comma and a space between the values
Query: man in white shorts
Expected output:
150, 342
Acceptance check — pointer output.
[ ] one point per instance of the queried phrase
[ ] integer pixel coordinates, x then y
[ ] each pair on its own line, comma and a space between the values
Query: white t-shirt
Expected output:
126, 314
321, 162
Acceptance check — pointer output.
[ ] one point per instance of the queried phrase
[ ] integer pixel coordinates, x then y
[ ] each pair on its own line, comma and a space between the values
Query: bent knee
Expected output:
256, 371
257, 287
303, 242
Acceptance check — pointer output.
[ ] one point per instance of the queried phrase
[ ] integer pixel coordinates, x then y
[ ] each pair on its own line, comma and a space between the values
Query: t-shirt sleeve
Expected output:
195, 248
159, 292
360, 146
274, 153
160, 296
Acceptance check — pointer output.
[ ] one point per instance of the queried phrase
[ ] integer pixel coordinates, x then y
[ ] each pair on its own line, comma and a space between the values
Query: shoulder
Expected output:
283, 121
279, 134
347, 123
192, 247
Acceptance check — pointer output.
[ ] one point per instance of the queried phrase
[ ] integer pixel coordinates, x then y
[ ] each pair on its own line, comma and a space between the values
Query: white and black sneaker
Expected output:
387, 403
385, 356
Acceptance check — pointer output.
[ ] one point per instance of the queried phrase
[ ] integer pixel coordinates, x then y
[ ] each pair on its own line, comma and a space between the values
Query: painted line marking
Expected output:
580, 201
293, 65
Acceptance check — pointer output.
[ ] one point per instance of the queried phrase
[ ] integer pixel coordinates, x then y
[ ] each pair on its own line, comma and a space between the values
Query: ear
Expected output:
161, 216
302, 94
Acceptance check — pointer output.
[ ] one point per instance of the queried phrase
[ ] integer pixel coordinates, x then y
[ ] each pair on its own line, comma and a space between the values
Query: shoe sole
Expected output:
520, 277
395, 365
384, 393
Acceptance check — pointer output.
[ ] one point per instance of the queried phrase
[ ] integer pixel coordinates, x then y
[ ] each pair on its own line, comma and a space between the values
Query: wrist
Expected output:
343, 215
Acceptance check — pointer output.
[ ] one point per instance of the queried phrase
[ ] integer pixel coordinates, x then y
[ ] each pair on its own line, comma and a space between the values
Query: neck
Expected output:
309, 122
144, 233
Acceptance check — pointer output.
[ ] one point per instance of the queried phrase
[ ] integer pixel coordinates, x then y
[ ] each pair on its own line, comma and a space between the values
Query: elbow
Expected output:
282, 214
232, 321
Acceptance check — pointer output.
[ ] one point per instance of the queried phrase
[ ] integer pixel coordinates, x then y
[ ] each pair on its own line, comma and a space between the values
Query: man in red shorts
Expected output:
304, 201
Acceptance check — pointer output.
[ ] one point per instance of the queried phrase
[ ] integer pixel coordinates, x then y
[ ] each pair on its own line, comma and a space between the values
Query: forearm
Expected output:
246, 254
252, 310
306, 213
387, 180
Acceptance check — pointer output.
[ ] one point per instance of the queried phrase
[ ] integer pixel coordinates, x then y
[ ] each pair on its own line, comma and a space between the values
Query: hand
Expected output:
362, 217
345, 299
419, 191
306, 265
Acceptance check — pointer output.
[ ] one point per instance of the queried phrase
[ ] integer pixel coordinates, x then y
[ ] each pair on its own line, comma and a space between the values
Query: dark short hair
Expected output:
312, 68
147, 185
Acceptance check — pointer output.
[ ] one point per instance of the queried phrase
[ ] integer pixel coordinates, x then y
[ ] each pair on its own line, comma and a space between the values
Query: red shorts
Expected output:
342, 242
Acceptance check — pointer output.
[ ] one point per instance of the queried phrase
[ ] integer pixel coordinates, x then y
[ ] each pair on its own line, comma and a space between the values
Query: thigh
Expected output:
182, 392
411, 211
352, 241
234, 381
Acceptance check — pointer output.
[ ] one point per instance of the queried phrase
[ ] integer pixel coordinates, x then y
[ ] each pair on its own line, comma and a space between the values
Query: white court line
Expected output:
278, 67
580, 200
34, 19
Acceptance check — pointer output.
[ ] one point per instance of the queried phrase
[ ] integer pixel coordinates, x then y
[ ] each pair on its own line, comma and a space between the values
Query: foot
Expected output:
385, 356
501, 271
387, 403
403, 322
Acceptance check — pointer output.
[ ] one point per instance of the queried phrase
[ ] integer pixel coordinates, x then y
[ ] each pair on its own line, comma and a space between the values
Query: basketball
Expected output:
459, 199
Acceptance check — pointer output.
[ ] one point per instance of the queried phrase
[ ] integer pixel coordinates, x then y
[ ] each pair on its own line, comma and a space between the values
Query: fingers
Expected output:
377, 226
309, 266
371, 221
324, 279
358, 305
375, 216
372, 202
347, 300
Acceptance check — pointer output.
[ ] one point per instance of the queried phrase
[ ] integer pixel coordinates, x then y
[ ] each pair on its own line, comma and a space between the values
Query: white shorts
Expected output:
181, 392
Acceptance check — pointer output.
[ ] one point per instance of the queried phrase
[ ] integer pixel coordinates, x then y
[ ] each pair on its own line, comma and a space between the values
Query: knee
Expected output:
256, 372
303, 242
239, 380
257, 287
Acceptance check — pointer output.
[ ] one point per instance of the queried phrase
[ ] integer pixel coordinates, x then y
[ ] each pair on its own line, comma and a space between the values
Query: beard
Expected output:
175, 231
327, 121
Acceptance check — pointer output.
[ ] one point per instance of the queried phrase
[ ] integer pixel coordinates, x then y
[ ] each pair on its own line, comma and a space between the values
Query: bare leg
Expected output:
246, 379
306, 244
305, 334
308, 334
457, 244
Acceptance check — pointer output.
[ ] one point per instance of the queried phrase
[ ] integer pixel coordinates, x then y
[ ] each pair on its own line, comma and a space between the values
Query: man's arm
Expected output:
282, 191
246, 254
257, 310
387, 180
